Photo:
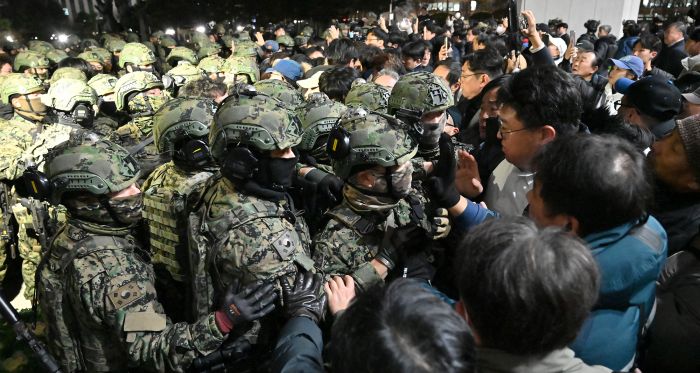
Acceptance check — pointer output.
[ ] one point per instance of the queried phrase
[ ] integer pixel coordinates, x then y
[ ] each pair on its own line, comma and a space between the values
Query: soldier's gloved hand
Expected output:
403, 240
441, 184
331, 187
303, 299
441, 224
242, 304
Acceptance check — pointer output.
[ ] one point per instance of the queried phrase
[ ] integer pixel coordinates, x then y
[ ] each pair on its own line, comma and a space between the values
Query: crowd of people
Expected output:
417, 197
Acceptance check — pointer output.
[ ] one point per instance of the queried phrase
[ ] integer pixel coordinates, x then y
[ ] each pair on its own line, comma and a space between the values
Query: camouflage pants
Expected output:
29, 245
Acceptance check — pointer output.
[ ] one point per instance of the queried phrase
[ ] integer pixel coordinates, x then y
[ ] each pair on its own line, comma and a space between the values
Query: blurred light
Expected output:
10, 39
200, 29
169, 31
62, 38
473, 6
240, 28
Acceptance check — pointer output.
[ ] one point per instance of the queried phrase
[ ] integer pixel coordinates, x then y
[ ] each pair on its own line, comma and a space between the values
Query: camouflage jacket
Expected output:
246, 238
17, 136
98, 296
350, 240
131, 135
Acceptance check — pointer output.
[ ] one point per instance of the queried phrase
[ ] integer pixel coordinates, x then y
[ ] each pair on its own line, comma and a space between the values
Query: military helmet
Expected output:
281, 91
56, 55
212, 64
301, 40
114, 44
65, 93
132, 37
243, 36
372, 97
181, 119
183, 74
91, 56
286, 40
246, 49
420, 92
104, 55
308, 31
239, 65
208, 49
137, 81
318, 117
260, 122
19, 84
30, 59
182, 54
89, 44
40, 46
168, 41
364, 138
103, 84
98, 167
136, 54
67, 72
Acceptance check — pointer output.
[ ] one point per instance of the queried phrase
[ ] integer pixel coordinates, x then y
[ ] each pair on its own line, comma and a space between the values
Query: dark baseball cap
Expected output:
656, 97
585, 45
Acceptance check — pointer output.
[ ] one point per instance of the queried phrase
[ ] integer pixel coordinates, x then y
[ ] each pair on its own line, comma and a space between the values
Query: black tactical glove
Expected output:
331, 187
304, 299
441, 184
406, 239
247, 303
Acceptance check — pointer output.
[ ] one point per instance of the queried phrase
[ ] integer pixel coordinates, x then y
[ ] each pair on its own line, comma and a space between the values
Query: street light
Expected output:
169, 31
200, 29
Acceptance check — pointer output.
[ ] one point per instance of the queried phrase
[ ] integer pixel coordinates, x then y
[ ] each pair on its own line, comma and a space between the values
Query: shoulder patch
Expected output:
126, 295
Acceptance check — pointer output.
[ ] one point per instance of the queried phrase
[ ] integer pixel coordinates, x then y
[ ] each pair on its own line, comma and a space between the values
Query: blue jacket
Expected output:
630, 259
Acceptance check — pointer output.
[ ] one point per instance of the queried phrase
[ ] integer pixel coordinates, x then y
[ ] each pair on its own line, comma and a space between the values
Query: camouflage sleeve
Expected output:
12, 164
339, 250
125, 302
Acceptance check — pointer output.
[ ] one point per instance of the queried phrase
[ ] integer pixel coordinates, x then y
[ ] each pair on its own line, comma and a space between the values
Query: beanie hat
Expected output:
689, 129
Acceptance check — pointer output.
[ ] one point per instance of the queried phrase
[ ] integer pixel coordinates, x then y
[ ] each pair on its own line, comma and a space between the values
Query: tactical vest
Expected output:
76, 346
165, 201
207, 235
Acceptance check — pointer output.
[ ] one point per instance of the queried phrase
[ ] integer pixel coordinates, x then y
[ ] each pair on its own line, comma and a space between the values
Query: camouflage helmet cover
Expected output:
375, 139
137, 81
282, 91
20, 84
136, 54
371, 96
67, 72
40, 46
30, 59
259, 122
183, 74
182, 53
422, 92
318, 117
180, 119
241, 65
103, 84
99, 167
207, 49
212, 64
56, 55
65, 93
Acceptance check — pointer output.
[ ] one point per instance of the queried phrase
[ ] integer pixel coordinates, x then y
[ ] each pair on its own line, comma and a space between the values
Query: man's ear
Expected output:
547, 134
653, 54
484, 79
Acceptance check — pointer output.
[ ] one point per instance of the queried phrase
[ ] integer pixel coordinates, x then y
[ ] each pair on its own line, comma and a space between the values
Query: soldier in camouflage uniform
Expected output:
378, 215
372, 97
247, 227
181, 55
180, 129
213, 66
96, 290
136, 57
240, 69
67, 72
318, 117
32, 63
140, 94
73, 104
107, 118
179, 76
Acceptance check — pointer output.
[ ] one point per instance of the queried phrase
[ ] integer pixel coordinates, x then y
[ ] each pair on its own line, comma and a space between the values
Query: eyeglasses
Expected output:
618, 104
468, 75
503, 132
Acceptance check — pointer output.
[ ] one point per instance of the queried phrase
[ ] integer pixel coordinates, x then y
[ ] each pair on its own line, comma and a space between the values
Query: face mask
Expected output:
500, 30
108, 108
431, 132
127, 210
31, 108
395, 184
276, 173
360, 201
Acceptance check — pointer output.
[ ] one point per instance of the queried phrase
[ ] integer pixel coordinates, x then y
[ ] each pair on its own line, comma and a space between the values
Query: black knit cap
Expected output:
689, 129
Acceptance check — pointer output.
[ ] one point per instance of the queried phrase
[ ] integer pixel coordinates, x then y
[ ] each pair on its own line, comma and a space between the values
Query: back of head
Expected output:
544, 95
608, 176
400, 328
341, 52
526, 292
337, 82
